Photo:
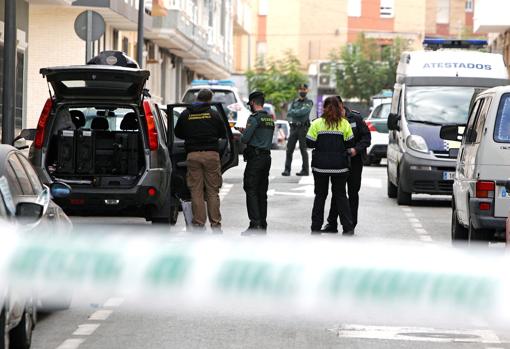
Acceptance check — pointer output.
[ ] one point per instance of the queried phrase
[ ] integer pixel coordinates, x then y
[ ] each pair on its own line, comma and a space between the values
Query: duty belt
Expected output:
257, 151
299, 124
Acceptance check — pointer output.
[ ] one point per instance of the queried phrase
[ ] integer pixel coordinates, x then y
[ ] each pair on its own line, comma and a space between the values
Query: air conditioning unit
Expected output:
325, 68
326, 78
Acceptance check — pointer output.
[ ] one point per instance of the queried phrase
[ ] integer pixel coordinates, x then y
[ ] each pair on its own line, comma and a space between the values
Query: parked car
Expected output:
281, 133
101, 133
226, 93
481, 186
377, 123
26, 205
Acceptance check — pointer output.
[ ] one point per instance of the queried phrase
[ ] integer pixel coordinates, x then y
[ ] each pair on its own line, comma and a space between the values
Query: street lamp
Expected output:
139, 44
9, 72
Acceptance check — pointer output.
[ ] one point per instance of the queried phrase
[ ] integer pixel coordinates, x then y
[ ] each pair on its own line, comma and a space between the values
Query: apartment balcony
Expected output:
122, 15
491, 16
213, 65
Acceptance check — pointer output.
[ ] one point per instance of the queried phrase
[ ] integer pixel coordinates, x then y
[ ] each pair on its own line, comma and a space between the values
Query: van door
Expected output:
228, 151
501, 136
393, 152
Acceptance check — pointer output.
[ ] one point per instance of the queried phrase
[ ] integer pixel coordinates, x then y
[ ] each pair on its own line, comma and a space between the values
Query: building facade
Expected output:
184, 40
313, 29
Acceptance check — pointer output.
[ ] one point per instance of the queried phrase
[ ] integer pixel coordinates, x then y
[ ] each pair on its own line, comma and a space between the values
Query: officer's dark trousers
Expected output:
256, 182
338, 184
297, 133
353, 188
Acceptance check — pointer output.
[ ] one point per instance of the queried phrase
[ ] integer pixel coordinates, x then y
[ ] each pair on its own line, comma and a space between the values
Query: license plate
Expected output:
448, 176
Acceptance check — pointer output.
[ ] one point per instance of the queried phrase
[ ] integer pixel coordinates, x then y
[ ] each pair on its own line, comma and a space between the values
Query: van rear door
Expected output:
97, 82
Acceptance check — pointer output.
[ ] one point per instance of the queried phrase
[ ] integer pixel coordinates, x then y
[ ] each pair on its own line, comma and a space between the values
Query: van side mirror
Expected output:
471, 136
393, 122
450, 133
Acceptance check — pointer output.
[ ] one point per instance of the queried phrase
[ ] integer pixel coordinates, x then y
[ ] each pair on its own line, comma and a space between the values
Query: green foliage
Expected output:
278, 79
366, 68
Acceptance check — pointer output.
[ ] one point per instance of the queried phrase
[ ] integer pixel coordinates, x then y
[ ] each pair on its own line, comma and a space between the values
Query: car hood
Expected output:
96, 82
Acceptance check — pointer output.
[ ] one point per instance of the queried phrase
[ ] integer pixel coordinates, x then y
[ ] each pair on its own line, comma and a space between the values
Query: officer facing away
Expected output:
201, 128
362, 140
258, 137
299, 119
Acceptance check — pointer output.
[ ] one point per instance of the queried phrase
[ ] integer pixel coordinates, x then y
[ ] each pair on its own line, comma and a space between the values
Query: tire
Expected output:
375, 161
403, 197
4, 335
20, 337
460, 234
392, 189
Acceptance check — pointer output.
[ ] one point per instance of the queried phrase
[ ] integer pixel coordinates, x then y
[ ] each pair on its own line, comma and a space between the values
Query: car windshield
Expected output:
382, 112
438, 104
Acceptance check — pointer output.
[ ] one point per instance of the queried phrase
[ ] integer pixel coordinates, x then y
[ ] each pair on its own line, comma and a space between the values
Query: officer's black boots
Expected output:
286, 173
329, 228
302, 173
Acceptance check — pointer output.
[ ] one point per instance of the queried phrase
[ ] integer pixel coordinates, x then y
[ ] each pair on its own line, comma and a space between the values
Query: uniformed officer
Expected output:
299, 119
258, 137
362, 140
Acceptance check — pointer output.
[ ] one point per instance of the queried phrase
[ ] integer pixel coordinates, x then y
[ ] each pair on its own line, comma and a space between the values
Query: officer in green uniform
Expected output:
258, 137
299, 119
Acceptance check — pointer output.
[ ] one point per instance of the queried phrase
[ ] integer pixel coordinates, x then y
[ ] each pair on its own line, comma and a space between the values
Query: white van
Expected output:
433, 88
481, 195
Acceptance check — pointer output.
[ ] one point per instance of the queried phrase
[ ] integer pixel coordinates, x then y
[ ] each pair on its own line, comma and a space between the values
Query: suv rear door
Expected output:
97, 83
228, 152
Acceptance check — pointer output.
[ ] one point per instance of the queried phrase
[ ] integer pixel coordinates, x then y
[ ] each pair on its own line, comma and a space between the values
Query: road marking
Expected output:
307, 191
306, 180
85, 329
426, 238
101, 315
409, 214
417, 225
113, 302
406, 208
414, 220
71, 343
421, 231
374, 183
416, 334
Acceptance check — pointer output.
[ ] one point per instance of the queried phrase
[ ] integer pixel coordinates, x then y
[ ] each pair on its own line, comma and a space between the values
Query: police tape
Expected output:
309, 277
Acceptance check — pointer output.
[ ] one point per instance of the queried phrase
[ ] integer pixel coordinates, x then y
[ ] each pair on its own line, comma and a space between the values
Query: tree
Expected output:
278, 79
365, 68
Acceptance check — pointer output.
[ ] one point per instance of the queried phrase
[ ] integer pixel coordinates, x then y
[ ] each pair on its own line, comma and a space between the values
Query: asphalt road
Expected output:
115, 323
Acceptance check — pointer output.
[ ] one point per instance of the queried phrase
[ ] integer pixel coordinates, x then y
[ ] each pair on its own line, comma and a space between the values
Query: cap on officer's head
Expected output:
303, 87
257, 97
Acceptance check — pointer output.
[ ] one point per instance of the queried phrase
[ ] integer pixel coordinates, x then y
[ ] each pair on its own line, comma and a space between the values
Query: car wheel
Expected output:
403, 197
4, 334
20, 337
460, 233
392, 189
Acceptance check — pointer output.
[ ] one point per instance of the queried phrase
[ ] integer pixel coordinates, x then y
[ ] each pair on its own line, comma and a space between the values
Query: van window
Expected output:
382, 111
438, 104
502, 128
480, 122
473, 118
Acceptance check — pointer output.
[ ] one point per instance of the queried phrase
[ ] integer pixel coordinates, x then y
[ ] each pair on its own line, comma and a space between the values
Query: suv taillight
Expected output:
151, 126
485, 189
41, 125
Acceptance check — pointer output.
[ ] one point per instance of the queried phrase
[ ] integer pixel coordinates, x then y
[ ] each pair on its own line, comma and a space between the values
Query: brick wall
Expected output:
52, 42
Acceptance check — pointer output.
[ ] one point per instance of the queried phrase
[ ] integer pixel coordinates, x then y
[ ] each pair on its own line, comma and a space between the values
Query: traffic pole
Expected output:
9, 72
139, 44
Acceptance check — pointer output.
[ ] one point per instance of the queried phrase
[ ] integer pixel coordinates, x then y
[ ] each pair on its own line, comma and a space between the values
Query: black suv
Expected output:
100, 133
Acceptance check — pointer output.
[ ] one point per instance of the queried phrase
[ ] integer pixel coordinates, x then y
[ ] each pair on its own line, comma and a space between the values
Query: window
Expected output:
469, 5
263, 7
20, 62
473, 120
502, 129
443, 12
34, 179
354, 8
480, 122
382, 111
386, 8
